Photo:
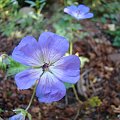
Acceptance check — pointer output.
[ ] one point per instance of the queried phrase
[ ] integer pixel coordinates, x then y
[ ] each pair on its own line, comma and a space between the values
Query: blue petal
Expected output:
83, 9
67, 69
88, 15
27, 52
50, 89
27, 78
52, 46
70, 9
19, 116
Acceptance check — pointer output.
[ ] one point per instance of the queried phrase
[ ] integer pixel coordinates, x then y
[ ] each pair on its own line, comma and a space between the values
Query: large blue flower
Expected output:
79, 12
47, 65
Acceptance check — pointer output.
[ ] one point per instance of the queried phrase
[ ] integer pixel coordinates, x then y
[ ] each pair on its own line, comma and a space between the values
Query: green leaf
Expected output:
15, 67
2, 63
66, 28
2, 66
32, 4
117, 41
29, 116
42, 5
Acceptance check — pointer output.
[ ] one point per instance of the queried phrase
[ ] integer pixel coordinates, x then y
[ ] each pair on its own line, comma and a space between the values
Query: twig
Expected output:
76, 116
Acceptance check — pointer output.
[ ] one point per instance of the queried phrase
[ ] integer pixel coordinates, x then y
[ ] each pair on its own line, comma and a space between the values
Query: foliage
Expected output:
66, 29
7, 3
70, 2
2, 66
103, 6
117, 41
104, 10
94, 101
3, 63
11, 66
15, 23
20, 24
107, 11
7, 8
15, 67
109, 7
38, 4
65, 26
116, 36
92, 3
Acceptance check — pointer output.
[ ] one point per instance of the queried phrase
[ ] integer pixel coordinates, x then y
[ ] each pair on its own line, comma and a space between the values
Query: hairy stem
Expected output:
31, 97
76, 95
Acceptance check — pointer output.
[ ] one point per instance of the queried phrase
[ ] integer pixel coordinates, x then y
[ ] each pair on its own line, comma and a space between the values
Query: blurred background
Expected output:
96, 41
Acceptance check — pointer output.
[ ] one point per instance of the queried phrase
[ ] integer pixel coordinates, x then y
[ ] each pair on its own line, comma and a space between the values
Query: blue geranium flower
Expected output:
79, 12
47, 66
19, 116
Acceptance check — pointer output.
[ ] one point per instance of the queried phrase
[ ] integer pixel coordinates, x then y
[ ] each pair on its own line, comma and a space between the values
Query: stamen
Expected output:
45, 67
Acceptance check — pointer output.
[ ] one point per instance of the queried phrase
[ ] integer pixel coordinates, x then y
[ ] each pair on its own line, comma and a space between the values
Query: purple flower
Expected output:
79, 12
47, 65
19, 116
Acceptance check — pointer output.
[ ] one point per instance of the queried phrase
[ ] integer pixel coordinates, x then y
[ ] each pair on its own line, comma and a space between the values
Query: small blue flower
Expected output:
47, 66
19, 116
79, 12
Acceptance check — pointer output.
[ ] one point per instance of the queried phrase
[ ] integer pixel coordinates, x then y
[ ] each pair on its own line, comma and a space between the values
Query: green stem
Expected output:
73, 86
71, 47
31, 97
76, 95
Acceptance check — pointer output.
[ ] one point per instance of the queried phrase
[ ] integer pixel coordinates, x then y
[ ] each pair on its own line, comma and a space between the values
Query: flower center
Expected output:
45, 67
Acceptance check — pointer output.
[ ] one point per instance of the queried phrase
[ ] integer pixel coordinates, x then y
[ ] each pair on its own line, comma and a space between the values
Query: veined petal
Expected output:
27, 78
88, 15
52, 46
27, 52
67, 69
83, 9
70, 9
50, 89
